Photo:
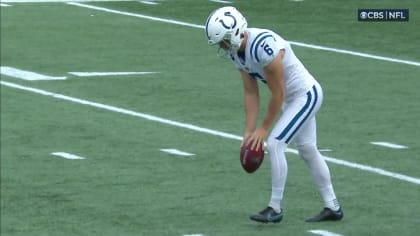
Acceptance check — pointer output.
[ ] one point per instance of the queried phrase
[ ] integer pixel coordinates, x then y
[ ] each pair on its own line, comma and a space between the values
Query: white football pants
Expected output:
298, 124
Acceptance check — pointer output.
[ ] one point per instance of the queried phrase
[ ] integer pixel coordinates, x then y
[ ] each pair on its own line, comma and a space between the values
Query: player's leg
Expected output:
273, 212
306, 143
293, 114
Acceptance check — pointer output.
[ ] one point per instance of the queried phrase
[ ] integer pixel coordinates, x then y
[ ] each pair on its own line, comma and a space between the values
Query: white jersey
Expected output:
262, 47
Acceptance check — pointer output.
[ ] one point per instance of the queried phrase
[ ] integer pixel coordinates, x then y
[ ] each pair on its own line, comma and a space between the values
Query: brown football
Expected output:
251, 160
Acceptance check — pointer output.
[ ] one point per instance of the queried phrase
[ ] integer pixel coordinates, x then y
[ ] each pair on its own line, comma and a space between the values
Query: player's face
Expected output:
224, 44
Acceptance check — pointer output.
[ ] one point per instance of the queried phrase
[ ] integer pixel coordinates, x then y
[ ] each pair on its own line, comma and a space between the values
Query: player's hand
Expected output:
257, 138
245, 139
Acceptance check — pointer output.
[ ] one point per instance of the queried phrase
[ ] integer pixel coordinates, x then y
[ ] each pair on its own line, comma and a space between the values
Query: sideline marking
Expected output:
307, 45
87, 74
177, 152
389, 145
26, 75
203, 130
67, 155
323, 232
4, 5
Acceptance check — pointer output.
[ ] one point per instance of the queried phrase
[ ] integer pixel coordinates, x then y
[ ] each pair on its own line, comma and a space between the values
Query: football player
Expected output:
261, 55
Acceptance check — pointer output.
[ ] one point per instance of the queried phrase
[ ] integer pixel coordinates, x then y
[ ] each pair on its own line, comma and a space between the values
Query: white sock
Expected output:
276, 197
329, 197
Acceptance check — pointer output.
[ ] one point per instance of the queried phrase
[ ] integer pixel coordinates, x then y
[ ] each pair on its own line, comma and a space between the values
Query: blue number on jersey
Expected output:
267, 49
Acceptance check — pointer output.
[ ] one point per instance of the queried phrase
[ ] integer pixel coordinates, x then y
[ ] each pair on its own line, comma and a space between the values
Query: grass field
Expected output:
127, 185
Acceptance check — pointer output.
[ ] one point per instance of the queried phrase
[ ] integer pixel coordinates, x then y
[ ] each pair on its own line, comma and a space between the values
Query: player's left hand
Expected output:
257, 138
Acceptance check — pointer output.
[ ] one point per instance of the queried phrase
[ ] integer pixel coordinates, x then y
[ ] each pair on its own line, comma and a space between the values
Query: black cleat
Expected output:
327, 215
267, 215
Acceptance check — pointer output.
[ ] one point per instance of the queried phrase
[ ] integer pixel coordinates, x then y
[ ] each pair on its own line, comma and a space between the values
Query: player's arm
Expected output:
275, 80
274, 73
252, 103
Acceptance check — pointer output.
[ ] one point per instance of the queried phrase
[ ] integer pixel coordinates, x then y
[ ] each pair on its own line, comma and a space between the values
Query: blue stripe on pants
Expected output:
295, 119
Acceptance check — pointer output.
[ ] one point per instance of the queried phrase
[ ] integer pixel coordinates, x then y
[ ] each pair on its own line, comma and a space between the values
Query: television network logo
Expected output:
382, 14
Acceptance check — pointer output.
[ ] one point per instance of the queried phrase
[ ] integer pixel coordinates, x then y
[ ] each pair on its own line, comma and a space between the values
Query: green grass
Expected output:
127, 186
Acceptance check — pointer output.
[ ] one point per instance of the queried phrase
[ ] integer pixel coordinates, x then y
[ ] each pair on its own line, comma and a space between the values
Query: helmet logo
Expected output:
234, 21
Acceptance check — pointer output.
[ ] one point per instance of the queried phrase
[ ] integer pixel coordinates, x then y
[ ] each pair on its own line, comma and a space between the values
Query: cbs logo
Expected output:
371, 15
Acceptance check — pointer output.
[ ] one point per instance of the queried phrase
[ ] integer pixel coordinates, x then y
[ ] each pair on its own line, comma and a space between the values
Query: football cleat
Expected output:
267, 215
327, 215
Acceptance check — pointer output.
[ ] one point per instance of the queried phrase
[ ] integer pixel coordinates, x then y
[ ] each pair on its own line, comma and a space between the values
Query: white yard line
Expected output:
26, 75
88, 74
221, 1
323, 232
177, 152
389, 145
307, 45
176, 22
67, 155
42, 1
149, 2
379, 171
5, 5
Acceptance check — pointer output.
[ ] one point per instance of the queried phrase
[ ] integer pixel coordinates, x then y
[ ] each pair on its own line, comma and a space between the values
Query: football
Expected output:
251, 160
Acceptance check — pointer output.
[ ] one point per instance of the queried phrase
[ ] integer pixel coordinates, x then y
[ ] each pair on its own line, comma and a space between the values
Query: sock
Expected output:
329, 197
276, 197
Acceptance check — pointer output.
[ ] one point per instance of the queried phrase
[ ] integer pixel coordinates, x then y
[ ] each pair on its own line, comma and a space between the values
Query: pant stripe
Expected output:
299, 115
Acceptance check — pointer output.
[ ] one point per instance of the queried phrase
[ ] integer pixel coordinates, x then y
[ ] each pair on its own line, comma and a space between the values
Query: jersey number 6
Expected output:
267, 49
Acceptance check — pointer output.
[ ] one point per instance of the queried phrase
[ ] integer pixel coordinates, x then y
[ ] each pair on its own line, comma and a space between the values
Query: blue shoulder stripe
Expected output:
257, 41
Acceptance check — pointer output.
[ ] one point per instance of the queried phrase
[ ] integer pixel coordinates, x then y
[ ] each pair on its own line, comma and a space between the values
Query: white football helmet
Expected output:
226, 23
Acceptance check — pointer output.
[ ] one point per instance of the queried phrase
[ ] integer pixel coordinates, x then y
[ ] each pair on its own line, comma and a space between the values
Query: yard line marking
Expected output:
373, 170
149, 2
26, 75
306, 45
67, 155
202, 130
389, 145
87, 74
325, 150
221, 1
360, 54
177, 152
323, 232
43, 1
4, 5
135, 15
